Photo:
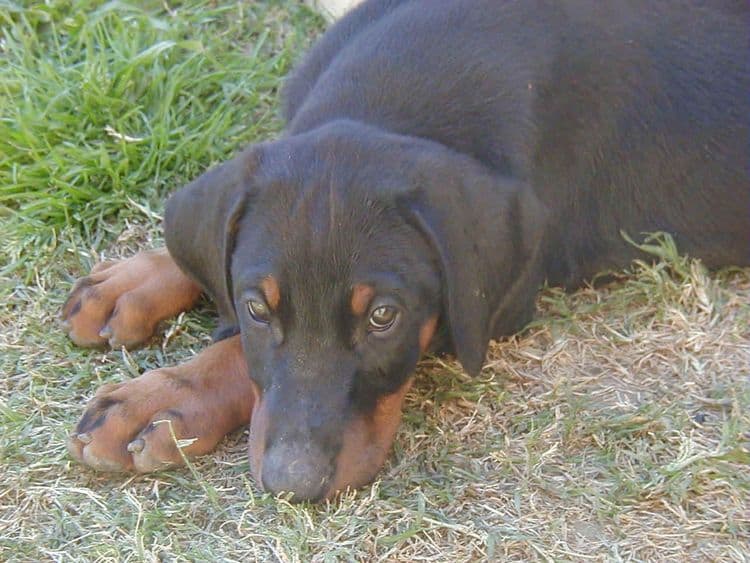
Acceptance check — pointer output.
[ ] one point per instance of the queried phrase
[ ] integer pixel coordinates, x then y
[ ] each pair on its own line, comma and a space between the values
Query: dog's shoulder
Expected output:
301, 80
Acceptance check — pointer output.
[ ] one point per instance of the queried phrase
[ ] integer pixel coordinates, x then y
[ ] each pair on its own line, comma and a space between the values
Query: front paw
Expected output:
121, 302
136, 426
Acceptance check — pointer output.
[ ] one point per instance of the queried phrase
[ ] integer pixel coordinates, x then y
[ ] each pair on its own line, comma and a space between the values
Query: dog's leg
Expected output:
132, 426
121, 302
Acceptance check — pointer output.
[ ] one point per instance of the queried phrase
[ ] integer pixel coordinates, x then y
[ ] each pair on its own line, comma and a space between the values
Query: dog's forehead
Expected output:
321, 230
326, 238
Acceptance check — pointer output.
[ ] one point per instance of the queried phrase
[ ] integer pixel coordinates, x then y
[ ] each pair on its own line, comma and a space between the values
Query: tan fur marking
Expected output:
367, 442
121, 302
217, 396
271, 290
362, 294
257, 440
426, 333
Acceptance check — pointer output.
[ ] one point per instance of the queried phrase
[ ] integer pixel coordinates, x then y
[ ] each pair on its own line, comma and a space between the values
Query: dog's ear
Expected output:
486, 229
200, 225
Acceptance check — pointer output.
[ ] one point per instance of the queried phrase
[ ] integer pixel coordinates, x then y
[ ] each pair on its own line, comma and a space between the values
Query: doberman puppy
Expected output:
441, 160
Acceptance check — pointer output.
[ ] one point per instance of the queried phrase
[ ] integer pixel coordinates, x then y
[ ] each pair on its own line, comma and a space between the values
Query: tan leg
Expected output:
121, 302
126, 426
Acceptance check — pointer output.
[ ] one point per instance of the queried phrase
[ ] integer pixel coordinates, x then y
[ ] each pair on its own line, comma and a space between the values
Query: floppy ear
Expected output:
486, 229
200, 225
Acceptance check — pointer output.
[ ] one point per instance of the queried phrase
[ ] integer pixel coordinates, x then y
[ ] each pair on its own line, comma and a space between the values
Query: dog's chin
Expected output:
306, 474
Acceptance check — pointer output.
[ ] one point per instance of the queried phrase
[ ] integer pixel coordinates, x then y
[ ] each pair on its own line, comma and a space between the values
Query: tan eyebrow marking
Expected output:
271, 290
362, 294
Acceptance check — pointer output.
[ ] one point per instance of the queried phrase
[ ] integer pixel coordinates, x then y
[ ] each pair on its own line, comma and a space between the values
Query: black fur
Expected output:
456, 154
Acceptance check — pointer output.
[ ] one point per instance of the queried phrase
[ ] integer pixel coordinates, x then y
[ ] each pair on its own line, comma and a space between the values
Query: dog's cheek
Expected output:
368, 438
367, 441
426, 333
257, 440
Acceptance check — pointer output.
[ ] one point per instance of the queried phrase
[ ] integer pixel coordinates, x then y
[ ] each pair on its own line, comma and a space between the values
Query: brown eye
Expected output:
382, 318
259, 311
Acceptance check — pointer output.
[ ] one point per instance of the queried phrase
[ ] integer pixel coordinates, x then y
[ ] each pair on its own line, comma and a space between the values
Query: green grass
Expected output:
108, 104
617, 427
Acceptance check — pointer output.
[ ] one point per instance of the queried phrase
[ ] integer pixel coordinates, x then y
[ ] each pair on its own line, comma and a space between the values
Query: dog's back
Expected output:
620, 115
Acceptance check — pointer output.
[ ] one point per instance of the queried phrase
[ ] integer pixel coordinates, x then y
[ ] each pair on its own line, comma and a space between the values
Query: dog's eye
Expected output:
382, 318
259, 311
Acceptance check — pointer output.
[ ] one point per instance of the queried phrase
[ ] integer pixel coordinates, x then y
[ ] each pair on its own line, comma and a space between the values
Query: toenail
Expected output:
106, 332
84, 437
136, 445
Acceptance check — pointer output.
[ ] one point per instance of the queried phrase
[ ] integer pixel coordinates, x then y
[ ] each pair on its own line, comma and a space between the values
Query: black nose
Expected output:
301, 470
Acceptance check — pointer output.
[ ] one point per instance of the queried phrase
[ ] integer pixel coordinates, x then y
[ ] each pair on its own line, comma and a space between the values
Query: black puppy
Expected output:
442, 159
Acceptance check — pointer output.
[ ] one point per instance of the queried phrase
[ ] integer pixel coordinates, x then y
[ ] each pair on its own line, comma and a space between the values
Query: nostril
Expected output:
297, 470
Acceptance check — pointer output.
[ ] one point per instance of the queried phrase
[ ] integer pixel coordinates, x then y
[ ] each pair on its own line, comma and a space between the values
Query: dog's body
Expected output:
617, 115
442, 159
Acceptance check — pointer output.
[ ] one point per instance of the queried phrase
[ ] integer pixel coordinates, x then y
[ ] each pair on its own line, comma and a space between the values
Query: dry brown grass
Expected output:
616, 428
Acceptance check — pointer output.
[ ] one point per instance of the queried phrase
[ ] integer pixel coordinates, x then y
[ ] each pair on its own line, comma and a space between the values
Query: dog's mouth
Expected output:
310, 473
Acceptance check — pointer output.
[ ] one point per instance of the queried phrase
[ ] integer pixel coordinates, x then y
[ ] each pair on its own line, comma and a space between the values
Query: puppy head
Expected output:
336, 297
345, 250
